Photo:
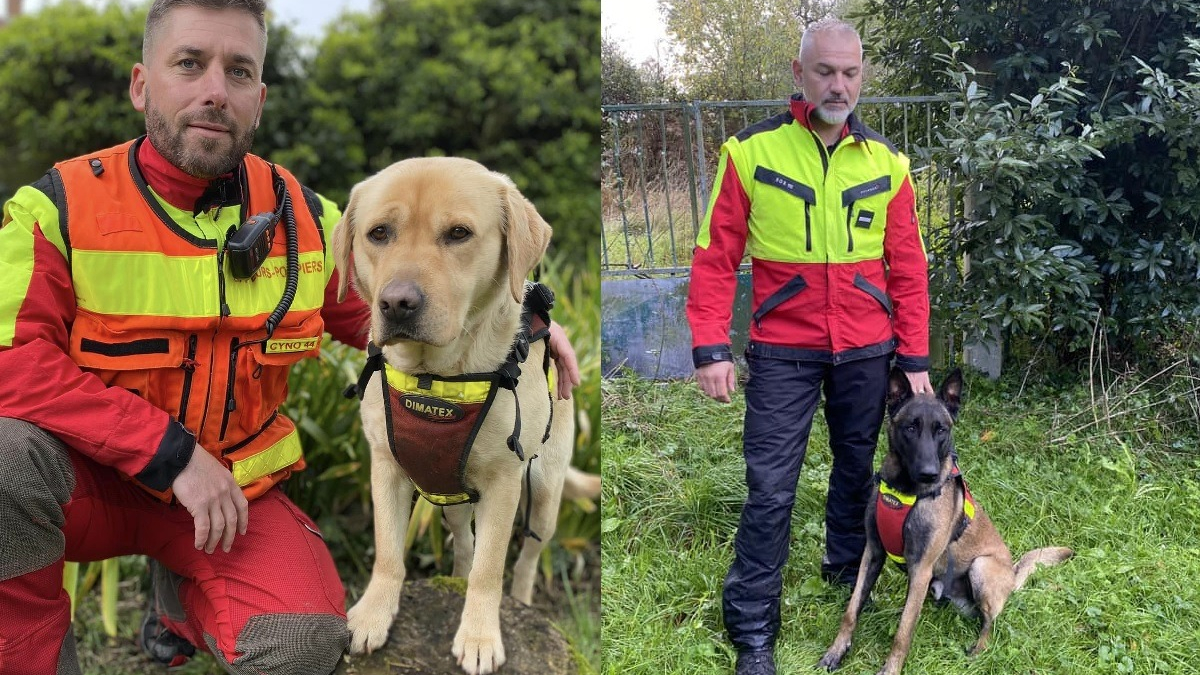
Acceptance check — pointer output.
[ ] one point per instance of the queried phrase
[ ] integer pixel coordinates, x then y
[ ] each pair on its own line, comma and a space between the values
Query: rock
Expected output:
420, 640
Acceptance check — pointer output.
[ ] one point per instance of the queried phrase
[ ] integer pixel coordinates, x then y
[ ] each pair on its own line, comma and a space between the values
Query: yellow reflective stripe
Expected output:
907, 500
16, 270
458, 392
175, 286
182, 286
444, 500
969, 508
898, 559
284, 453
261, 294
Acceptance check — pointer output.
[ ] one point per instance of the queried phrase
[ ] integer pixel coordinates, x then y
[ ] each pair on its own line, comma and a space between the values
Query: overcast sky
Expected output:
307, 16
636, 26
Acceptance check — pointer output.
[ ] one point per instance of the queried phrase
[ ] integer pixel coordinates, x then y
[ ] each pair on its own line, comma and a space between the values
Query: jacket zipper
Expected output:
849, 231
230, 402
189, 368
807, 227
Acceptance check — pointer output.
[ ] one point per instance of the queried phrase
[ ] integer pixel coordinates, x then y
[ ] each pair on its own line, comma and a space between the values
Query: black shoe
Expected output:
755, 663
839, 575
163, 646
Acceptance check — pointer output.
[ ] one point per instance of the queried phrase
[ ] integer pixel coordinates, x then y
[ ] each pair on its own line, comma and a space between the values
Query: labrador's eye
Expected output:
458, 233
379, 233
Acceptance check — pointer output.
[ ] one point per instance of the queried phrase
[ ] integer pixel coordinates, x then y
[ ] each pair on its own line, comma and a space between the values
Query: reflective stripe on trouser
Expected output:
781, 399
274, 603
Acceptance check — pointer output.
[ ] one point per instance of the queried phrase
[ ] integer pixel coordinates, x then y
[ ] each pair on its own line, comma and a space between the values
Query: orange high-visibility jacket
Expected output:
158, 314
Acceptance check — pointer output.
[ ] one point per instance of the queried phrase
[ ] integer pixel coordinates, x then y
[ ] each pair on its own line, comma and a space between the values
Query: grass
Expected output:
1123, 498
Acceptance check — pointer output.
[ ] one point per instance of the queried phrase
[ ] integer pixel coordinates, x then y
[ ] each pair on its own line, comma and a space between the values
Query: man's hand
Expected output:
717, 380
919, 382
564, 361
209, 492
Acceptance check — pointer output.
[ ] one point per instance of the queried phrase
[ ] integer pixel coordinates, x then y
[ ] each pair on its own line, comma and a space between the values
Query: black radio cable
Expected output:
293, 256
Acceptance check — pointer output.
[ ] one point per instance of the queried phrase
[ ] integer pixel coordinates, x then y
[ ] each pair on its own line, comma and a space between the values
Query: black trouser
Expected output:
781, 399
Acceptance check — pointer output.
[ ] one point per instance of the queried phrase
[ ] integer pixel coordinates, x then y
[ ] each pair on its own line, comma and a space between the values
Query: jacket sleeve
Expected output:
43, 386
908, 280
347, 321
720, 246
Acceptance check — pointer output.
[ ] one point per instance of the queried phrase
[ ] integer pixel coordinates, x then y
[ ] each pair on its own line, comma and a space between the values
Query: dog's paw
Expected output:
370, 618
831, 660
478, 651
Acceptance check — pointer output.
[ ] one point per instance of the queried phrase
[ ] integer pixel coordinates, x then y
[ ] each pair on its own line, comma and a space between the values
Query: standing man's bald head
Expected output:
829, 73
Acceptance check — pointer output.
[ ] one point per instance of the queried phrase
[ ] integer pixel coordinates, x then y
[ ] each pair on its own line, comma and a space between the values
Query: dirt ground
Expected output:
101, 655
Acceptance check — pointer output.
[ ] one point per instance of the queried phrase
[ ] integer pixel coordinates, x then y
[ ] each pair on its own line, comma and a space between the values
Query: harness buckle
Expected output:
514, 444
521, 347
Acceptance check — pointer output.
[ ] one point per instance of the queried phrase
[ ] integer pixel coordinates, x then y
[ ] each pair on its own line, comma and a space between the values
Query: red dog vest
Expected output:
432, 421
892, 508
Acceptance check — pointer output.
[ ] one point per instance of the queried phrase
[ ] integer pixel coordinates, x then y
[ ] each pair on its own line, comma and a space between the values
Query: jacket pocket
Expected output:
861, 283
855, 193
786, 292
257, 373
156, 365
795, 188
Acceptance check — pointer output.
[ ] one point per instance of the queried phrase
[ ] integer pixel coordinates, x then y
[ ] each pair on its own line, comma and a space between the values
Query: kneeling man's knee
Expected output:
289, 644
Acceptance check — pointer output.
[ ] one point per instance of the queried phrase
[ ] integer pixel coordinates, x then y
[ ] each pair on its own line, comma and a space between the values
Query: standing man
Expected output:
145, 349
825, 208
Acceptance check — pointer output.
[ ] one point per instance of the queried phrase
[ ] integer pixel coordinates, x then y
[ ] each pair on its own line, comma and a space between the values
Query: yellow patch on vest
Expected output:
282, 346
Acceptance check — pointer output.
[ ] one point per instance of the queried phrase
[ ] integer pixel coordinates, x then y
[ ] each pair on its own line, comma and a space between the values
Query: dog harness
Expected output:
432, 420
892, 508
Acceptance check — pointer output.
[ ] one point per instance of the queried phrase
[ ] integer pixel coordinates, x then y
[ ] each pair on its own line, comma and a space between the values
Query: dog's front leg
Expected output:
371, 617
459, 518
477, 644
868, 573
919, 576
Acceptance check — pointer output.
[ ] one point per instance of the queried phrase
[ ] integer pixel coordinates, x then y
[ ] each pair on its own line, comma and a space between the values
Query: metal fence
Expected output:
659, 159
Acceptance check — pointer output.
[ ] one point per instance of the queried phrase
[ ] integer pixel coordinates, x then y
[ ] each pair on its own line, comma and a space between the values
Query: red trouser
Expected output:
278, 578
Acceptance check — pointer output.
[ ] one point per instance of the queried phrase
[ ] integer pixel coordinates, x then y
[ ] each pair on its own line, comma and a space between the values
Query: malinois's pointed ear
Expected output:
899, 390
951, 392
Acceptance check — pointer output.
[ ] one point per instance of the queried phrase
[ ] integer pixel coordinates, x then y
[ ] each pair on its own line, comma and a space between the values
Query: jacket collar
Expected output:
802, 111
182, 190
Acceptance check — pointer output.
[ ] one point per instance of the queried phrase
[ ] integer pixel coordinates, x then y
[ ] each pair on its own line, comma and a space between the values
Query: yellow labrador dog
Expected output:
440, 248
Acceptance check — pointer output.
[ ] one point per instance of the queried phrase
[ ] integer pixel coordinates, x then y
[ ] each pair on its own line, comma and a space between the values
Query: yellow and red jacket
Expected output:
838, 267
124, 334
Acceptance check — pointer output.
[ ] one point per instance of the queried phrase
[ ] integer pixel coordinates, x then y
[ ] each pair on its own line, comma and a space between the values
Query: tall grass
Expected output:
1124, 500
649, 223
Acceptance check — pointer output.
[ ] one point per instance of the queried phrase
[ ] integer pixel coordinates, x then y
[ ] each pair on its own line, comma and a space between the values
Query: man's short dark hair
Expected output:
160, 8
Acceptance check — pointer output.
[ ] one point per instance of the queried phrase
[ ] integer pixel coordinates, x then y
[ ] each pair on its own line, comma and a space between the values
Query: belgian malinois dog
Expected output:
949, 546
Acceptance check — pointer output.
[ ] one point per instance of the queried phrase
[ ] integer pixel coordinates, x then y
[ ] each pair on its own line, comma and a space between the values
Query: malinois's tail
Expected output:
1051, 555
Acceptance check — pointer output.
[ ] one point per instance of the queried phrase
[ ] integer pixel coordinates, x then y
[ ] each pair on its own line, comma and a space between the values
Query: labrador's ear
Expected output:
343, 246
526, 237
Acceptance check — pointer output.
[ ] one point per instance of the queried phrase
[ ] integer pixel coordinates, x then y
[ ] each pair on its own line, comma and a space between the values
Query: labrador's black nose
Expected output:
400, 300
